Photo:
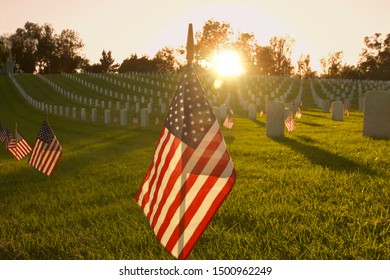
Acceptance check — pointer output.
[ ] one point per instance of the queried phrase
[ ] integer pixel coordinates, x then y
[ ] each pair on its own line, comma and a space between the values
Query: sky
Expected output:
143, 27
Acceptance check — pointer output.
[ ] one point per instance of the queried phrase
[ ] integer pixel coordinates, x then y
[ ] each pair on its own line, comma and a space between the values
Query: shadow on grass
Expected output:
259, 123
322, 157
312, 124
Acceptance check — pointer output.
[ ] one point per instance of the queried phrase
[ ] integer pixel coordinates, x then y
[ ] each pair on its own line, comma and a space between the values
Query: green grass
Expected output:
321, 192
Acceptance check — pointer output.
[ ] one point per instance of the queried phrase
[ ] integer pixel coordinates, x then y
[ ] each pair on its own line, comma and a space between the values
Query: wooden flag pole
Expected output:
183, 190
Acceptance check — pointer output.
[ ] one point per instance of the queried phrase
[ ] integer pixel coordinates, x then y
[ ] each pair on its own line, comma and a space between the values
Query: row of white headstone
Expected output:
72, 112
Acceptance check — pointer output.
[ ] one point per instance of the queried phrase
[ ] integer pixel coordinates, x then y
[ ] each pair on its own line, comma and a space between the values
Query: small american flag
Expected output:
10, 141
298, 113
290, 124
191, 172
229, 122
3, 133
46, 152
346, 111
135, 120
21, 149
157, 120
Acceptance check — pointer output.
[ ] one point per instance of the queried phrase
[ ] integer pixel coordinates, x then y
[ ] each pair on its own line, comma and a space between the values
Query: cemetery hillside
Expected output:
310, 150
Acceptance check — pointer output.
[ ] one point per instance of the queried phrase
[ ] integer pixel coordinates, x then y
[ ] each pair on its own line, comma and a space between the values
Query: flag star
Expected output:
200, 121
184, 125
192, 122
190, 106
209, 119
188, 98
202, 129
182, 109
185, 133
191, 115
199, 112
194, 131
195, 140
183, 117
177, 128
176, 119
198, 104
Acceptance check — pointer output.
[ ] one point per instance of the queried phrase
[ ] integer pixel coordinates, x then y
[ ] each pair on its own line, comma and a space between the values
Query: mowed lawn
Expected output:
321, 192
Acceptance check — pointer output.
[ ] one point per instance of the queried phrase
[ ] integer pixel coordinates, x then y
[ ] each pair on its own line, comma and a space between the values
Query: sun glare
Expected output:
227, 63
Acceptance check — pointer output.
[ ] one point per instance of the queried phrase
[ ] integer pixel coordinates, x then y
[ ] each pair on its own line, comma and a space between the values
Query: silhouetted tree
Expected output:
304, 70
166, 61
332, 65
143, 64
281, 53
215, 35
374, 61
107, 62
264, 61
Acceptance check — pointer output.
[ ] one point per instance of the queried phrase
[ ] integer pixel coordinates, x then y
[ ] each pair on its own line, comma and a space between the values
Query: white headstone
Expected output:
74, 113
107, 116
83, 114
275, 119
123, 117
252, 111
376, 119
67, 112
223, 111
337, 111
144, 117
94, 115
137, 107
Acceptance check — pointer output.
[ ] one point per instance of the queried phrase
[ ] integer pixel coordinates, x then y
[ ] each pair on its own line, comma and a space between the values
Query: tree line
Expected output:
37, 48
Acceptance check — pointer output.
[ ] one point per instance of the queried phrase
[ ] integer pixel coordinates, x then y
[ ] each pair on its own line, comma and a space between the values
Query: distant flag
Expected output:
298, 113
10, 141
346, 111
21, 149
261, 113
231, 111
135, 119
191, 172
157, 120
46, 152
3, 133
229, 122
290, 124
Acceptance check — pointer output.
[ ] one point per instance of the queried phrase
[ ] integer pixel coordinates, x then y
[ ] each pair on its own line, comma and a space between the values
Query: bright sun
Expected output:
227, 63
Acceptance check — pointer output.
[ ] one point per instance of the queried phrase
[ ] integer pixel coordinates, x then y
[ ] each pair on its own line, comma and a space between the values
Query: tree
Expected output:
281, 53
332, 65
166, 61
247, 45
264, 60
107, 62
67, 57
143, 64
4, 53
38, 48
374, 61
215, 35
304, 70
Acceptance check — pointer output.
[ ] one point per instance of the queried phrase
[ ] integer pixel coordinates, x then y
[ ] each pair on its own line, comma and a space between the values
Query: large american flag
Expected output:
46, 152
191, 173
21, 149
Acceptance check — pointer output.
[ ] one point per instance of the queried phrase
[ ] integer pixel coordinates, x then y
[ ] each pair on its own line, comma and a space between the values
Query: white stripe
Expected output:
144, 187
171, 167
157, 171
51, 154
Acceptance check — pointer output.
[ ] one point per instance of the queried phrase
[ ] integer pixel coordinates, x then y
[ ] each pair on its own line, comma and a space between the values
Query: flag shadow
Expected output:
322, 157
